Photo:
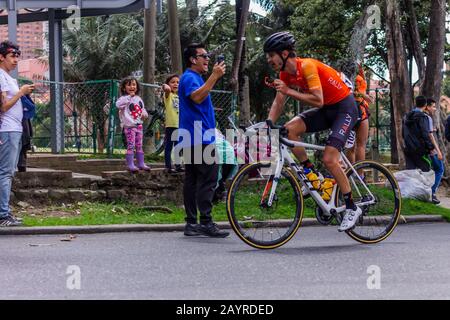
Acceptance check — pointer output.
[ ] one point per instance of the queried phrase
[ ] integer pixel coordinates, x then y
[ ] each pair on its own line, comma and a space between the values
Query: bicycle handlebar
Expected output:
283, 133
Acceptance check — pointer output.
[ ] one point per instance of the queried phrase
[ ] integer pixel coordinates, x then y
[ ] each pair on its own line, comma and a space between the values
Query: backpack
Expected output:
411, 134
447, 129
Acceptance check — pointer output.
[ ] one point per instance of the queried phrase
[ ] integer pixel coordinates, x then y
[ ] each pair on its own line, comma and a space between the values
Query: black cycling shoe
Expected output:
212, 230
191, 229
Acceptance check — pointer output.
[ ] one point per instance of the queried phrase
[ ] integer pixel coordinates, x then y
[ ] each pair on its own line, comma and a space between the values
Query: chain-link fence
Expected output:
85, 115
91, 122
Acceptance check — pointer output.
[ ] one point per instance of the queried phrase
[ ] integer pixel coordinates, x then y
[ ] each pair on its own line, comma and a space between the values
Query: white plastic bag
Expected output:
415, 184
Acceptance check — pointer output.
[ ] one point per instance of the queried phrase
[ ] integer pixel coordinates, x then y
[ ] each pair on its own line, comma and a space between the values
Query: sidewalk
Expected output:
168, 227
90, 229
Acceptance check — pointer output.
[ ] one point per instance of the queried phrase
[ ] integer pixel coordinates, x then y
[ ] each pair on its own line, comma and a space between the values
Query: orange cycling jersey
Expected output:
360, 88
313, 74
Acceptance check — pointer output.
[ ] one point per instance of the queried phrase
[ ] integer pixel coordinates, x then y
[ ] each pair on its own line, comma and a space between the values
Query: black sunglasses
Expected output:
204, 56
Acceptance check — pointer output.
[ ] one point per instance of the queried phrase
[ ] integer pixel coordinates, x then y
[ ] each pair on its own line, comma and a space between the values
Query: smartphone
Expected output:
220, 58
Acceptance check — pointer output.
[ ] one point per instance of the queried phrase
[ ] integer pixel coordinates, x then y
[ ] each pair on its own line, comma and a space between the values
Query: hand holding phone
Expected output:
220, 58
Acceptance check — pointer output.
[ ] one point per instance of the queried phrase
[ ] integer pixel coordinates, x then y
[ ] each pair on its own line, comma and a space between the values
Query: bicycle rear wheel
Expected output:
250, 217
380, 218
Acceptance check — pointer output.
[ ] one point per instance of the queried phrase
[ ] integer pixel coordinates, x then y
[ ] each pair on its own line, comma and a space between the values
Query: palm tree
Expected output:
103, 48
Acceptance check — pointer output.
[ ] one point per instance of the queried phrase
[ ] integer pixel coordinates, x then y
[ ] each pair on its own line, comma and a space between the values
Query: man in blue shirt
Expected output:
197, 138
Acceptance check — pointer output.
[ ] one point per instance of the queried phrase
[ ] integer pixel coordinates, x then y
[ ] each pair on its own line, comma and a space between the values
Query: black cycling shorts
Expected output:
340, 118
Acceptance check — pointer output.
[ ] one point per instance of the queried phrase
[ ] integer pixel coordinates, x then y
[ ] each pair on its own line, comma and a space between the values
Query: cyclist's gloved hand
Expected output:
283, 131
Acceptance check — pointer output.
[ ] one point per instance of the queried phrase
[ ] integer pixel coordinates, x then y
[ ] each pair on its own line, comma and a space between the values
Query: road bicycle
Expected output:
265, 201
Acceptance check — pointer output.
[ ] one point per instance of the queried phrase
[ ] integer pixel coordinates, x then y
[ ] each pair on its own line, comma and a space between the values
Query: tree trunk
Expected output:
432, 85
398, 70
174, 37
415, 43
244, 90
192, 8
239, 66
393, 135
357, 44
149, 64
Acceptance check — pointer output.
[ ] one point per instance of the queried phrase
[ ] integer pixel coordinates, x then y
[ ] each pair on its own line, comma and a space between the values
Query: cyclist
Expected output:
320, 86
358, 151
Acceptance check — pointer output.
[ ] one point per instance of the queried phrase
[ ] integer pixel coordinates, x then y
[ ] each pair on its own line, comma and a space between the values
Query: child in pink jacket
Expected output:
132, 113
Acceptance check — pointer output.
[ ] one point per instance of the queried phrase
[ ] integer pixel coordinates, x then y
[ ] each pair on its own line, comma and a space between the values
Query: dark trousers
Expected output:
27, 134
199, 185
417, 161
168, 146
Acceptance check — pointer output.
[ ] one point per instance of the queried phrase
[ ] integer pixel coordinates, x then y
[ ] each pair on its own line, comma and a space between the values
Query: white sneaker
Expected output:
350, 218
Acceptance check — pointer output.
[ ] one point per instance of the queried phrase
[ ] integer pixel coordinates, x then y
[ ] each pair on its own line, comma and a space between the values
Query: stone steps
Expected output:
43, 178
88, 166
47, 186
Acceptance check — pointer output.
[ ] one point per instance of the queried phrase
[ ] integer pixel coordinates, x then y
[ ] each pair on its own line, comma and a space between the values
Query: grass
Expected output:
87, 213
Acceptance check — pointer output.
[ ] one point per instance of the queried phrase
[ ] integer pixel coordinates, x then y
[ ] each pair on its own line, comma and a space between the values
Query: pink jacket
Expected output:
131, 111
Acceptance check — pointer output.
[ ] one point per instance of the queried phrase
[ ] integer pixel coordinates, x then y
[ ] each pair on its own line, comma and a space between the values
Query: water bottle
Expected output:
312, 177
327, 188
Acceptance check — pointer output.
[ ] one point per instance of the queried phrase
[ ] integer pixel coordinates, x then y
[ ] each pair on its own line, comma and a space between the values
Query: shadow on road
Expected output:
320, 250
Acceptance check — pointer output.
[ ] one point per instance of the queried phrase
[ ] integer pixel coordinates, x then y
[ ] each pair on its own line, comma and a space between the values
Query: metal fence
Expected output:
380, 121
91, 123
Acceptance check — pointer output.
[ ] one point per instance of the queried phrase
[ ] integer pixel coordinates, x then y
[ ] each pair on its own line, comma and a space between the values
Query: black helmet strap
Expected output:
284, 60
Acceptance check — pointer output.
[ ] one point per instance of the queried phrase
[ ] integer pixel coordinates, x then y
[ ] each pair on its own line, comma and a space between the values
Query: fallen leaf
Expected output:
40, 244
69, 238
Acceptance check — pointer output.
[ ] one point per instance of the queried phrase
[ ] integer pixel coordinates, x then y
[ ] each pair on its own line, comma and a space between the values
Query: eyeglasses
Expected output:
204, 56
15, 52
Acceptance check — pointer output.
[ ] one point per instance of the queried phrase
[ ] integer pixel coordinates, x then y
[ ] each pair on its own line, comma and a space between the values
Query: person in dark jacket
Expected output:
418, 145
27, 134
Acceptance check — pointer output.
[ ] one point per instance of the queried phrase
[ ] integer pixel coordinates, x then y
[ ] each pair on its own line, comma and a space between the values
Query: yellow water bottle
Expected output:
313, 178
327, 188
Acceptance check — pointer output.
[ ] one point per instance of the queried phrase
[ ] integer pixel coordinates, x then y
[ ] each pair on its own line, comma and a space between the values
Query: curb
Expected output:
307, 222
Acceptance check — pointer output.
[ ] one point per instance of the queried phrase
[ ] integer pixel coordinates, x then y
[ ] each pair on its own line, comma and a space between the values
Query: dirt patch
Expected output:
47, 212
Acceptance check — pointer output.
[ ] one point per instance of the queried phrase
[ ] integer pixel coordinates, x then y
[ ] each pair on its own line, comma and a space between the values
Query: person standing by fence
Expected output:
171, 104
358, 151
132, 114
11, 115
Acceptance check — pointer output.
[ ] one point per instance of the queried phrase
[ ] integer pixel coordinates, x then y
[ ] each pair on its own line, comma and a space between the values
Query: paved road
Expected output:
319, 263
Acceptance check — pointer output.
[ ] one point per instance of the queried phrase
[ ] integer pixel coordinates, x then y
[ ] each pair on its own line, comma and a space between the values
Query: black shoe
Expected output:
191, 229
434, 199
212, 230
170, 171
9, 222
179, 169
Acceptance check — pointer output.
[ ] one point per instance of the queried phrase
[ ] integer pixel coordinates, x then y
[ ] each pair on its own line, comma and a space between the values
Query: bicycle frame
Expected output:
327, 208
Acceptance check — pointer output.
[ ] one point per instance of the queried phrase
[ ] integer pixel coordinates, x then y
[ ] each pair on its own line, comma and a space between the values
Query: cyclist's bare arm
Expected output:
277, 107
314, 98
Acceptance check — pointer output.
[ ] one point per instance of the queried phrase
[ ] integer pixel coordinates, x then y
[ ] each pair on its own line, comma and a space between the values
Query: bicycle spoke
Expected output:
248, 207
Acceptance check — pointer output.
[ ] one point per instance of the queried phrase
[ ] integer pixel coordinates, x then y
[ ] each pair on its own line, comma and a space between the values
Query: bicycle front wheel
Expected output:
379, 218
254, 221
